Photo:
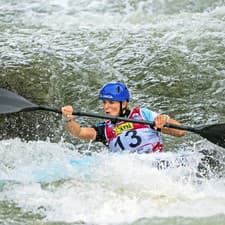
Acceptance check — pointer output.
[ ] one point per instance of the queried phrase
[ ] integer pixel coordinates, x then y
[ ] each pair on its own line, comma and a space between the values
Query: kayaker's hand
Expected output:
67, 113
160, 121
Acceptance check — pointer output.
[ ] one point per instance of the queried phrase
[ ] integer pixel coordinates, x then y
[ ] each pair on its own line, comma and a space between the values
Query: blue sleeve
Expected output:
148, 114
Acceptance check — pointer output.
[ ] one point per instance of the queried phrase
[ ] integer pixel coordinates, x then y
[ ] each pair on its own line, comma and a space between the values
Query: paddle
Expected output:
11, 102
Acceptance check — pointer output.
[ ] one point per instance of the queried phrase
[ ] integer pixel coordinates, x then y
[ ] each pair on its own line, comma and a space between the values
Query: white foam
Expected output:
113, 188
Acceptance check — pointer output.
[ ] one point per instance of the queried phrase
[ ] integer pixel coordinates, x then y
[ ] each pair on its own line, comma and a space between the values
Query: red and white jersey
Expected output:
134, 137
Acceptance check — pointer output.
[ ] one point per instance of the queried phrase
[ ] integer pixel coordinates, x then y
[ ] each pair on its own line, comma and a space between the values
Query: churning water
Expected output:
170, 54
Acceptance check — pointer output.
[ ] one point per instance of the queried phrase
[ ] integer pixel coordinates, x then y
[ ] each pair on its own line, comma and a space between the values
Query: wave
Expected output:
58, 183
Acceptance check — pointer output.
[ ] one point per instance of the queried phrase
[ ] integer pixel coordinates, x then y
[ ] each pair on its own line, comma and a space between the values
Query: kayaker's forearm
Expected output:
74, 128
172, 131
84, 133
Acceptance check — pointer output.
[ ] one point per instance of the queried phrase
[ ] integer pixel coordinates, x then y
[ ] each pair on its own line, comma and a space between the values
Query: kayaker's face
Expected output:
112, 108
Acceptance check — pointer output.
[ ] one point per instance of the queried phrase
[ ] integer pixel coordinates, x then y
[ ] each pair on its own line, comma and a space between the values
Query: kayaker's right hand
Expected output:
67, 112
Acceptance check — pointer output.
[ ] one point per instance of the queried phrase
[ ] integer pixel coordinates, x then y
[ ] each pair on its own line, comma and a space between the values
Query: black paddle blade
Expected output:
214, 133
11, 102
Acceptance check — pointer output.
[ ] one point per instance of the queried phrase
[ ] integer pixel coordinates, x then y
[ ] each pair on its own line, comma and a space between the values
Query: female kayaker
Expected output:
122, 135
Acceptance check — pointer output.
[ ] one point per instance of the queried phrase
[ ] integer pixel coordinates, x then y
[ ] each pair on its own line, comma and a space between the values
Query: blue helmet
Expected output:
114, 91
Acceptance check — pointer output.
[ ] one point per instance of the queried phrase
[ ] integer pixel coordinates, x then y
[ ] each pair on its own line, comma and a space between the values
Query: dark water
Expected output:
61, 52
169, 53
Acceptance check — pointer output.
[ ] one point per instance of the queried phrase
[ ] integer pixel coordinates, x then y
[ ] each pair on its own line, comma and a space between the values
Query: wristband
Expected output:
68, 120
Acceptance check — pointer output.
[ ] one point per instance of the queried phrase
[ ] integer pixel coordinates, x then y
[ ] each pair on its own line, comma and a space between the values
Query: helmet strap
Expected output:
122, 111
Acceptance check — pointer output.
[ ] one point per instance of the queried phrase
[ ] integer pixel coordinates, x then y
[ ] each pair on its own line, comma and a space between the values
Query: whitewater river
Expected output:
171, 55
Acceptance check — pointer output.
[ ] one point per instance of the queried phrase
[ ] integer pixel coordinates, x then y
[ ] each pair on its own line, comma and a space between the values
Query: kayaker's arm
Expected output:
74, 128
87, 133
161, 120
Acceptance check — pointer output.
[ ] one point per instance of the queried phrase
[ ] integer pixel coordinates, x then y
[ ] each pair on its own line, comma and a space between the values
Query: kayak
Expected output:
86, 166
90, 166
202, 164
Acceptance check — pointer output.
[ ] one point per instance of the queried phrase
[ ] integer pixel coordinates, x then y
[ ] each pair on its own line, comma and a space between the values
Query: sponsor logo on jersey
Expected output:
123, 127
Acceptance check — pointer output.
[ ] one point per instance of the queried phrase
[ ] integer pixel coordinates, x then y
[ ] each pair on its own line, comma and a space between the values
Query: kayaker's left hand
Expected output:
160, 121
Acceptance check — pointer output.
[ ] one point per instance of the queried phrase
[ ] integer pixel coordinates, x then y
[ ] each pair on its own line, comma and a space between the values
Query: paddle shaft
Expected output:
117, 118
11, 102
213, 133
